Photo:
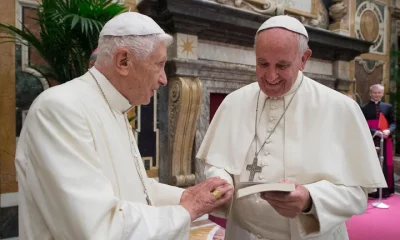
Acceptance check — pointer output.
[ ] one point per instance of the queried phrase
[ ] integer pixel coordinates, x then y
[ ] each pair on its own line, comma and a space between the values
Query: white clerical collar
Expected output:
376, 102
115, 98
292, 89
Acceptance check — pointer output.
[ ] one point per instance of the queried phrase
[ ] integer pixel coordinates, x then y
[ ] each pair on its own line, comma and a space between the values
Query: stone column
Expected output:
178, 119
343, 84
7, 104
8, 184
184, 108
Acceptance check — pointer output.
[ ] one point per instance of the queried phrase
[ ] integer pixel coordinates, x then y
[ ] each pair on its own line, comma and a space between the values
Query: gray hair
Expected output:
303, 43
379, 86
141, 46
93, 57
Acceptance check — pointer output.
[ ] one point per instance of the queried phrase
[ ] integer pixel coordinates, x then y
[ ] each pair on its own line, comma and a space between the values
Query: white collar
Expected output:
115, 98
376, 102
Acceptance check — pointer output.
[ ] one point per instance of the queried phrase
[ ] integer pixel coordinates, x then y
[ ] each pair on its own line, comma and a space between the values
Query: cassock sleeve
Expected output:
212, 171
164, 195
332, 206
69, 187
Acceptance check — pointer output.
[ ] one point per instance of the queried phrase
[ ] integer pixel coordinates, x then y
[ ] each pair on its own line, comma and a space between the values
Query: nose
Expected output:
271, 74
163, 79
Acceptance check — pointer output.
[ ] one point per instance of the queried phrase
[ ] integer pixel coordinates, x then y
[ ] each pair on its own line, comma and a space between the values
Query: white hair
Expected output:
379, 86
303, 43
141, 46
93, 57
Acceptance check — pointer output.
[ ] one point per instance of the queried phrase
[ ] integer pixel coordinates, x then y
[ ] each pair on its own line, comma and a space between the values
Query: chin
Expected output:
147, 102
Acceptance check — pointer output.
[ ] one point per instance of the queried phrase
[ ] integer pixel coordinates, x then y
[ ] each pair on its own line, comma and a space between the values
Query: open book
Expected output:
255, 187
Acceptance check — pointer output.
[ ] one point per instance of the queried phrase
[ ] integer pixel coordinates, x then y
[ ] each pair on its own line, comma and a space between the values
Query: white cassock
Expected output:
322, 142
76, 171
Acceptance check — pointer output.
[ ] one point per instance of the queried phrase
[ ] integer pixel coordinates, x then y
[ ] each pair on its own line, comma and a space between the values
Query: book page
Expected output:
254, 187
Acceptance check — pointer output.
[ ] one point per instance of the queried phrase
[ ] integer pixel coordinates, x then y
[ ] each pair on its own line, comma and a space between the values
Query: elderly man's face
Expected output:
278, 60
376, 93
147, 75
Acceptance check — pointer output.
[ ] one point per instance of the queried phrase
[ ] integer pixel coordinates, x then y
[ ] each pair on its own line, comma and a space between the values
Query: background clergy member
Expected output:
285, 128
375, 112
79, 170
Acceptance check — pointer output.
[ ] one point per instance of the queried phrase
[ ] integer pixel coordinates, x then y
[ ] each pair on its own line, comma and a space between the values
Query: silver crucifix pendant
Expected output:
253, 168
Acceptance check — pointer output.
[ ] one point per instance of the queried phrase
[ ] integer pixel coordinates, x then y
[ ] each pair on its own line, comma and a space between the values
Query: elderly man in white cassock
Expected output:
79, 170
289, 128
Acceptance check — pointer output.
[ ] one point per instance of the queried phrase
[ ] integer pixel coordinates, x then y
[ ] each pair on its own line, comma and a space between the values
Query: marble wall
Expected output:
371, 21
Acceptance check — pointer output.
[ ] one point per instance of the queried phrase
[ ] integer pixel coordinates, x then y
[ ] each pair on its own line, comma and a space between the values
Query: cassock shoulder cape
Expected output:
326, 137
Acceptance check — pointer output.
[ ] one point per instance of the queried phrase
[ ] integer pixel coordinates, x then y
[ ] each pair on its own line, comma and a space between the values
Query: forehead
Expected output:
276, 42
376, 89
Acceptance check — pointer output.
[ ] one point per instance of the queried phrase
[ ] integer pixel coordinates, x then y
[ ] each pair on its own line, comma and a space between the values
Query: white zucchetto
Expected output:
286, 22
131, 23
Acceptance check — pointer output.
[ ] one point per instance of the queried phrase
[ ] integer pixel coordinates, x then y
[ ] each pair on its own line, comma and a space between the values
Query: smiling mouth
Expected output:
276, 83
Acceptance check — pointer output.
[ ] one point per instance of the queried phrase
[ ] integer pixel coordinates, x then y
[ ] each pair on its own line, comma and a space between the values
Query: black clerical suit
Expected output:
372, 111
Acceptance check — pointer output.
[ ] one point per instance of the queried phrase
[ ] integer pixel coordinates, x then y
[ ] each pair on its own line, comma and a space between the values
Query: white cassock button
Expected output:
273, 107
264, 163
268, 141
266, 153
259, 236
269, 130
271, 119
261, 177
274, 98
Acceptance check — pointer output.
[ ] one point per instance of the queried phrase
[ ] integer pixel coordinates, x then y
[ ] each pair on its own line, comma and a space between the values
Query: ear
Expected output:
304, 58
121, 61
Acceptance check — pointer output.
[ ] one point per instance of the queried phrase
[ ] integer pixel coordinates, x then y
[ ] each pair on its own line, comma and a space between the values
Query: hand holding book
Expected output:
289, 203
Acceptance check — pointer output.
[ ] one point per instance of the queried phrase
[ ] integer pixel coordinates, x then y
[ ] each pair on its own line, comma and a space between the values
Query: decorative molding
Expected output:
211, 70
216, 22
267, 7
369, 65
183, 110
370, 25
339, 13
184, 46
224, 53
290, 7
320, 20
338, 10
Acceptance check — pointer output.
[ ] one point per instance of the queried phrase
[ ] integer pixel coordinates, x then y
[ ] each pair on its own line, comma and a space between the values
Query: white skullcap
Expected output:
286, 22
131, 23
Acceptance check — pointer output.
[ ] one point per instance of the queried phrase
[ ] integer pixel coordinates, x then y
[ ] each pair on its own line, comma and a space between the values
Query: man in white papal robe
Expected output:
300, 132
80, 173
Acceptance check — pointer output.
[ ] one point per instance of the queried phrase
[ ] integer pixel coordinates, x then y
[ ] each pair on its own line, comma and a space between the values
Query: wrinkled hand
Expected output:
289, 204
199, 200
386, 133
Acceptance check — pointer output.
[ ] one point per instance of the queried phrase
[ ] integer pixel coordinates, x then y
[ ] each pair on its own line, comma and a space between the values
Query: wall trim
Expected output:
9, 199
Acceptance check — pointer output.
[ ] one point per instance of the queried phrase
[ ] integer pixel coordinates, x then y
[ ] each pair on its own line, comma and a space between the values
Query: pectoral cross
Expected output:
253, 168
